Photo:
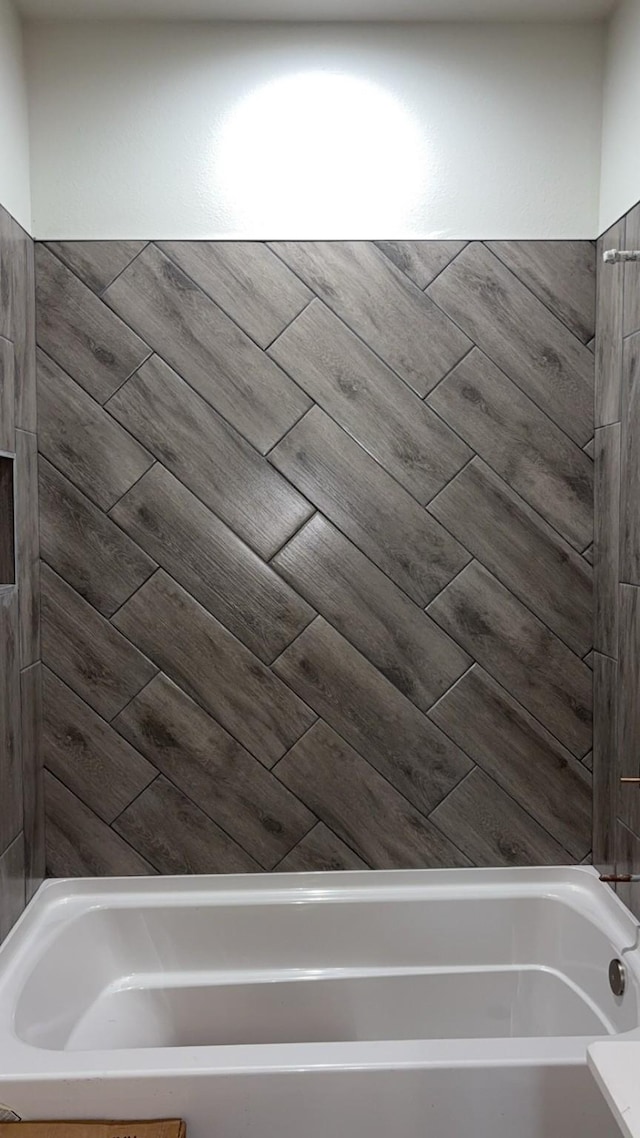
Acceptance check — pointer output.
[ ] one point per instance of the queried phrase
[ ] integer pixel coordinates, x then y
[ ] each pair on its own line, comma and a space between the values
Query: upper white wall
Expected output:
15, 193
620, 180
305, 131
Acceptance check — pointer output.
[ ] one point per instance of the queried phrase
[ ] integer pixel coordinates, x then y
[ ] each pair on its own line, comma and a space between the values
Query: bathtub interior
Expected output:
322, 966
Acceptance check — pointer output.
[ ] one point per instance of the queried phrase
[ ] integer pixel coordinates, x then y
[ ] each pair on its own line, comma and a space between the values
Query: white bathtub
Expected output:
417, 1004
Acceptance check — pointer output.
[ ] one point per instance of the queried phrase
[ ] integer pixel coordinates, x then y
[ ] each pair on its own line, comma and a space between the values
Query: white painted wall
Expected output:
620, 181
14, 140
204, 131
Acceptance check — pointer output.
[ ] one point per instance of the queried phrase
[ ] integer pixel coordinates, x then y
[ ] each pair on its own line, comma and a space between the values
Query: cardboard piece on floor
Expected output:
149, 1128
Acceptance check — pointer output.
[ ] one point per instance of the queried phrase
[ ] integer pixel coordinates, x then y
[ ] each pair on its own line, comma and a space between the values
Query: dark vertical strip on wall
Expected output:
316, 524
21, 799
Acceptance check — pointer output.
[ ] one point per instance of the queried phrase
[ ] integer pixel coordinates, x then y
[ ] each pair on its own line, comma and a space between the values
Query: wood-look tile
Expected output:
389, 526
87, 652
368, 711
28, 545
521, 336
364, 396
523, 758
151, 824
246, 279
627, 850
562, 274
200, 449
85, 547
24, 332
79, 844
589, 448
588, 760
80, 333
205, 762
606, 546
421, 260
204, 659
10, 718
207, 558
605, 760
371, 612
320, 851
609, 308
362, 807
521, 550
589, 554
79, 437
12, 885
32, 779
519, 652
209, 350
629, 464
97, 263
631, 275
491, 828
7, 273
7, 388
378, 302
87, 754
520, 443
628, 749
588, 659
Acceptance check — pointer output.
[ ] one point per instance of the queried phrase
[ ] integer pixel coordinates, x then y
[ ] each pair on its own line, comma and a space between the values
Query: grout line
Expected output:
288, 325
291, 537
117, 277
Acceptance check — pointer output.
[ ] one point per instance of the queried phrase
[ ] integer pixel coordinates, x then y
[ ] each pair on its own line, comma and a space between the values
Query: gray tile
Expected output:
380, 304
609, 324
376, 408
395, 635
80, 333
97, 263
246, 279
83, 441
562, 274
208, 663
605, 760
628, 861
12, 889
520, 755
588, 762
85, 547
211, 459
512, 645
521, 336
24, 333
7, 387
199, 340
87, 754
520, 443
79, 844
7, 273
492, 829
33, 789
87, 652
421, 260
589, 554
150, 825
589, 448
366, 811
27, 546
630, 462
372, 715
320, 851
11, 818
371, 508
521, 550
606, 546
207, 558
205, 762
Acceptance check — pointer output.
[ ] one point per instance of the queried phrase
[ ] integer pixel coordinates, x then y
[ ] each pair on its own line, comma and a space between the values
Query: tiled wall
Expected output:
21, 805
617, 560
316, 528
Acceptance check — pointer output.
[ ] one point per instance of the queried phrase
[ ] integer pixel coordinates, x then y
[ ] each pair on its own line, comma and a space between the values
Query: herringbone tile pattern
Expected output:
316, 524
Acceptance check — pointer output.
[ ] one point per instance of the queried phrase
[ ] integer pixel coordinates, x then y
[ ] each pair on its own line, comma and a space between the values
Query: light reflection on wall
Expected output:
321, 154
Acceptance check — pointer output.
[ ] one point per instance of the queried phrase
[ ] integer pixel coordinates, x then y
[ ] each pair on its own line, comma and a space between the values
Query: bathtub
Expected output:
417, 1004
